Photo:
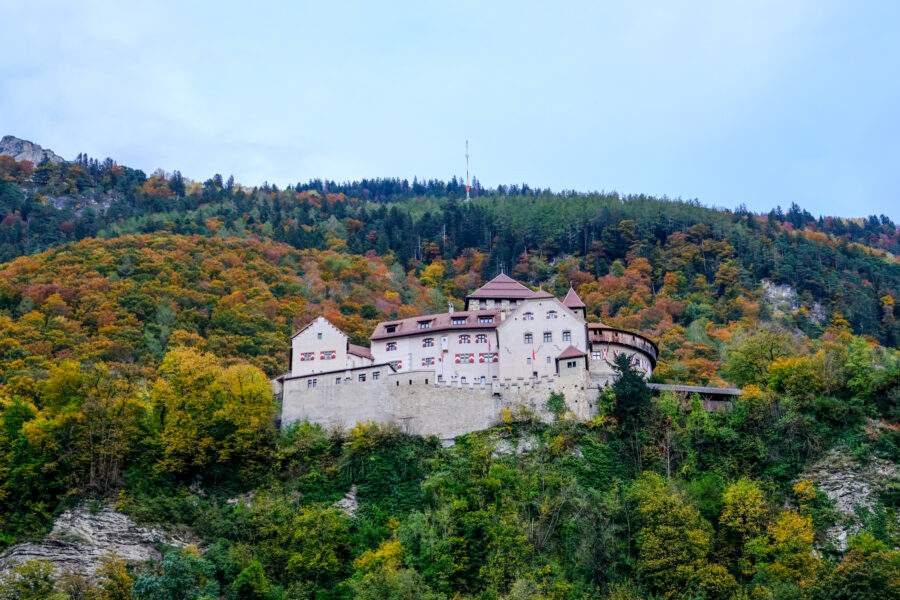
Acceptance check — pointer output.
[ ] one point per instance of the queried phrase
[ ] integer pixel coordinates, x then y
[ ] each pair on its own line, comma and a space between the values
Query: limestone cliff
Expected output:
852, 486
81, 538
24, 150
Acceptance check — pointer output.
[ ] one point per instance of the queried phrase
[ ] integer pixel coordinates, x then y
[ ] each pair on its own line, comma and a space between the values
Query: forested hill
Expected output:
141, 319
714, 259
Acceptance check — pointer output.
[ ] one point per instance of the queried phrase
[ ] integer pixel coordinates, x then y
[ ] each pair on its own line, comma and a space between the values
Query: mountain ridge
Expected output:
21, 150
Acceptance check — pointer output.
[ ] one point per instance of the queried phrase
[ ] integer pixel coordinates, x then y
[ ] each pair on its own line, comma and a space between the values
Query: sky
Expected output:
760, 103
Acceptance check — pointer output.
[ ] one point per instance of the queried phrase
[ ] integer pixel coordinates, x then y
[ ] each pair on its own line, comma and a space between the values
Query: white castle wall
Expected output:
423, 407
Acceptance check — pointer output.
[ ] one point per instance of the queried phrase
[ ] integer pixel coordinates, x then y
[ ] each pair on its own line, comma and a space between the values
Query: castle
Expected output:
452, 373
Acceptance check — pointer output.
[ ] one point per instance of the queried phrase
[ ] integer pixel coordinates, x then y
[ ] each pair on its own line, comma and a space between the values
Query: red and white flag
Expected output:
533, 357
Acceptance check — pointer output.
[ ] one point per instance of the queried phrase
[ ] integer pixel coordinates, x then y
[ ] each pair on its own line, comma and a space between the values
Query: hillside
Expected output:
141, 319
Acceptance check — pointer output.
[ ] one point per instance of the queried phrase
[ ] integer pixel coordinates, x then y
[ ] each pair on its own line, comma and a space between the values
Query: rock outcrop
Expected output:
21, 150
81, 538
851, 486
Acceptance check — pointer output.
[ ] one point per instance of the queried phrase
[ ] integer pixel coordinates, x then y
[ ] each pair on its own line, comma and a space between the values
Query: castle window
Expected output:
424, 324
457, 320
567, 336
462, 379
529, 316
396, 364
485, 319
529, 339
428, 342
310, 383
390, 346
548, 360
390, 328
551, 314
307, 356
548, 336
376, 375
362, 377
427, 361
328, 355
528, 361
337, 381
481, 338
570, 364
319, 336
595, 355
465, 339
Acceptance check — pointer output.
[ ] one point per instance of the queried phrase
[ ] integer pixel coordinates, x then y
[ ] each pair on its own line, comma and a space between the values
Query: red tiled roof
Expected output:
359, 351
439, 322
571, 352
541, 294
572, 300
502, 286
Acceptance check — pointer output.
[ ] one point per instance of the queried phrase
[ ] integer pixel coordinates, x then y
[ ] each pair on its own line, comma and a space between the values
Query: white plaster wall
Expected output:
411, 352
601, 366
515, 352
309, 340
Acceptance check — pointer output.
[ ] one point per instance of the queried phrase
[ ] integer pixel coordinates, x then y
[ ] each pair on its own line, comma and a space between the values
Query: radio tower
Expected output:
467, 171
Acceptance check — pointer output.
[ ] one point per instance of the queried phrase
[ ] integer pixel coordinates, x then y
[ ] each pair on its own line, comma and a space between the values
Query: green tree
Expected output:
183, 575
30, 581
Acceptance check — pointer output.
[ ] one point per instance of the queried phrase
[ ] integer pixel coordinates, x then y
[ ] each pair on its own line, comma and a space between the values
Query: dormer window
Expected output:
390, 328
457, 320
528, 316
486, 319
424, 324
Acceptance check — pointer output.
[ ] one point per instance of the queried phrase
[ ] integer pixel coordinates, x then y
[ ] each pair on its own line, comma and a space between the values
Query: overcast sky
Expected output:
762, 103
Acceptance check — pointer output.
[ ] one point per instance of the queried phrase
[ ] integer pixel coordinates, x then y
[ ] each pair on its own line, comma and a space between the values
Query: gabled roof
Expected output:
541, 294
440, 322
571, 352
313, 322
502, 286
572, 300
360, 351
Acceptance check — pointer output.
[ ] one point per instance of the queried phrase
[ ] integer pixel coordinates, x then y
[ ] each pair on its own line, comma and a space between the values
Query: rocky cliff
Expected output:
24, 150
81, 538
852, 486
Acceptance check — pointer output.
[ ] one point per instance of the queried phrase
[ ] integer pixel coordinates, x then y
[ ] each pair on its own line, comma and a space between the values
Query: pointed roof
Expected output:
572, 300
571, 352
502, 286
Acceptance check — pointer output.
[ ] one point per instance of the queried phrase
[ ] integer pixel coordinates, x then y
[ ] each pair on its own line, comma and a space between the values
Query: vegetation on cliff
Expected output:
136, 348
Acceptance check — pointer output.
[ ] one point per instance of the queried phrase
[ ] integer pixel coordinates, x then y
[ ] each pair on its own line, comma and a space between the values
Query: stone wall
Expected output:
424, 407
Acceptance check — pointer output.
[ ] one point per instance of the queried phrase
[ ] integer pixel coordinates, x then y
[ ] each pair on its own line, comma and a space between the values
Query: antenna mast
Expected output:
467, 171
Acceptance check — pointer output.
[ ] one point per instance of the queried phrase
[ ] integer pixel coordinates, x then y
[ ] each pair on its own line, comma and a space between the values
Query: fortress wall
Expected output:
421, 406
